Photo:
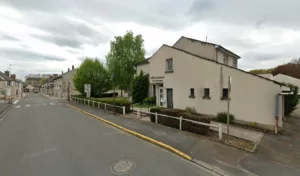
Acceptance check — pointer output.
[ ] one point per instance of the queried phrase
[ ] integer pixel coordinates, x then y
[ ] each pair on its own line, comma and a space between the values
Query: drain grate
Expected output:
122, 167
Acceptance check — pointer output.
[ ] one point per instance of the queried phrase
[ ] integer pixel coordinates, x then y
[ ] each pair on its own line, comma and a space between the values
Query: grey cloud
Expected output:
68, 32
8, 37
255, 12
25, 55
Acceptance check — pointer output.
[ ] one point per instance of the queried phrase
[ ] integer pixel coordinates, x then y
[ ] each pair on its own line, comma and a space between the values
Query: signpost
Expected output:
87, 90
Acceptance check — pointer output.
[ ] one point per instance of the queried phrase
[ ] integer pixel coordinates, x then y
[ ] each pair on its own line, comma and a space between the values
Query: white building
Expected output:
193, 73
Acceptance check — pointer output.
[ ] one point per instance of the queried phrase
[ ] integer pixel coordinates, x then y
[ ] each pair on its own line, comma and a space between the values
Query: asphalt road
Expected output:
42, 137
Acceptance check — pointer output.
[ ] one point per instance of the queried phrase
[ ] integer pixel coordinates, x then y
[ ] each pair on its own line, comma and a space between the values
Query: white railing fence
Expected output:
97, 104
219, 127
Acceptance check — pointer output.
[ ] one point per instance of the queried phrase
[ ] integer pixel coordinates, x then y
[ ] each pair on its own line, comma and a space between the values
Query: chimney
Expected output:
72, 67
6, 73
13, 76
68, 69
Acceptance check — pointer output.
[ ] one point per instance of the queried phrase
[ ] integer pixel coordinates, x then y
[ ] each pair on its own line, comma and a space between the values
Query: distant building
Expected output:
10, 85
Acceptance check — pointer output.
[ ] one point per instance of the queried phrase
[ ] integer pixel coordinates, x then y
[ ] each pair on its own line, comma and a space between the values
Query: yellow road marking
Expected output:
161, 144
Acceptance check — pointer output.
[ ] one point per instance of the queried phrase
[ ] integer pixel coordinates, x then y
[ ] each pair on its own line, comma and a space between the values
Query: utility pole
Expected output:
228, 105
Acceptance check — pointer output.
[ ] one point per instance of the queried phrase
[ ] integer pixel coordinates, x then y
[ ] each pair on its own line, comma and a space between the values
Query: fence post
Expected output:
84, 101
124, 110
98, 104
138, 113
156, 117
180, 122
105, 106
220, 131
88, 102
93, 103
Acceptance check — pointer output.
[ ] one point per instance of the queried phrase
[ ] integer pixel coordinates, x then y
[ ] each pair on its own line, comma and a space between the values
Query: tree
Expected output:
92, 72
140, 87
290, 69
43, 80
125, 52
291, 101
262, 71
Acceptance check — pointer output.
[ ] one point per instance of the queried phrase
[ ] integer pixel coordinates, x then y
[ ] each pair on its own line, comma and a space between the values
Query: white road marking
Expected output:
35, 154
52, 104
18, 106
27, 105
16, 101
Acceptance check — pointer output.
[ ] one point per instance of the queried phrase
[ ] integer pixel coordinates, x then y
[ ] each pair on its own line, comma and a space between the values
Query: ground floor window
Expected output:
206, 93
192, 93
225, 94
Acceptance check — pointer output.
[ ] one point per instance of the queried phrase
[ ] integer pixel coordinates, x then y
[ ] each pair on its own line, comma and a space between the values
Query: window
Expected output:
225, 94
225, 60
169, 65
206, 93
192, 93
235, 63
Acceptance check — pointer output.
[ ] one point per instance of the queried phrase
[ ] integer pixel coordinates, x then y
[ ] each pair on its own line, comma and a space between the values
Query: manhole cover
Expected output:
122, 167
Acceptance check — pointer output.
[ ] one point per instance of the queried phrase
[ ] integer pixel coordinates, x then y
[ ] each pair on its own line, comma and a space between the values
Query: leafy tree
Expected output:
262, 71
140, 87
291, 69
92, 72
43, 80
291, 101
125, 52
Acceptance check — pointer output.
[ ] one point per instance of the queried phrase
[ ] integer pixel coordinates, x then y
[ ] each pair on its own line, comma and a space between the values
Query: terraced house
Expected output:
10, 85
193, 73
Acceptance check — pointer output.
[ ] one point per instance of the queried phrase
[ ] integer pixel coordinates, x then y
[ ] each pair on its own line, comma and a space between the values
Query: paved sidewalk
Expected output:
4, 107
227, 159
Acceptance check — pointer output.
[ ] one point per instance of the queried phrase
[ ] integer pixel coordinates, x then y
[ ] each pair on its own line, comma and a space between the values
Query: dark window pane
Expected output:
192, 92
225, 93
206, 92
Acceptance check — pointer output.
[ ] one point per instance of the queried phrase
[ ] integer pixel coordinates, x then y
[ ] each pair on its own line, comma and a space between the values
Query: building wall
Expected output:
221, 55
144, 67
198, 48
58, 88
68, 78
253, 98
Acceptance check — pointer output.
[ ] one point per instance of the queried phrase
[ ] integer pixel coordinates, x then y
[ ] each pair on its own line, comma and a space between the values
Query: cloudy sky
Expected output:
49, 36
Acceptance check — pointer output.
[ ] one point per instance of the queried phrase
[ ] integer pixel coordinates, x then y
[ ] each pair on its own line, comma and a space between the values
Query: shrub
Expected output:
222, 117
174, 123
108, 95
140, 87
150, 100
191, 110
291, 101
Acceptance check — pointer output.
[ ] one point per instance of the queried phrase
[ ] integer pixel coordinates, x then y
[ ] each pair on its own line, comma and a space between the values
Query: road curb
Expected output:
153, 141
2, 115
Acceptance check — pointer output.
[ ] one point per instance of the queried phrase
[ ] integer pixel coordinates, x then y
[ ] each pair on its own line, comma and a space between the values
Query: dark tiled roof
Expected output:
224, 64
3, 77
146, 61
33, 79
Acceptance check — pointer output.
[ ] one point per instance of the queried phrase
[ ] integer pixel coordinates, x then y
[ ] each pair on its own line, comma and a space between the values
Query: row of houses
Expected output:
10, 86
60, 86
193, 73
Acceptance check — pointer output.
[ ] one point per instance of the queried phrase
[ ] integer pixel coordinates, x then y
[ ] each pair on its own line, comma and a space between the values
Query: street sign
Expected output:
87, 90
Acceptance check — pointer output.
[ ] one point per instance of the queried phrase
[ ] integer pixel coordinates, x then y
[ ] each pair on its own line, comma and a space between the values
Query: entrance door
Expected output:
170, 98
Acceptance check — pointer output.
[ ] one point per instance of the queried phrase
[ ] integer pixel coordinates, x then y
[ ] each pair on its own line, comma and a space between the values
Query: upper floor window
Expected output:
235, 63
225, 60
169, 65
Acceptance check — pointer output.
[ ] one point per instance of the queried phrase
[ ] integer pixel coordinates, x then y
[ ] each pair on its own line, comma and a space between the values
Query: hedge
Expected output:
186, 126
222, 117
109, 101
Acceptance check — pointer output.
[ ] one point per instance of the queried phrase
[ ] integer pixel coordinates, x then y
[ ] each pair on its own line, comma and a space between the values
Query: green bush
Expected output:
140, 87
150, 100
222, 117
174, 123
109, 101
291, 101
191, 110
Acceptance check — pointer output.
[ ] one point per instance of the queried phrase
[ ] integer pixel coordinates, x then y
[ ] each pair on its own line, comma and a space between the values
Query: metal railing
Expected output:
96, 104
219, 127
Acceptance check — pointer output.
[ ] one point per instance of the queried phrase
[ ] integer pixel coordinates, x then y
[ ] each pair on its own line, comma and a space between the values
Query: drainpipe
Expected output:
276, 112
